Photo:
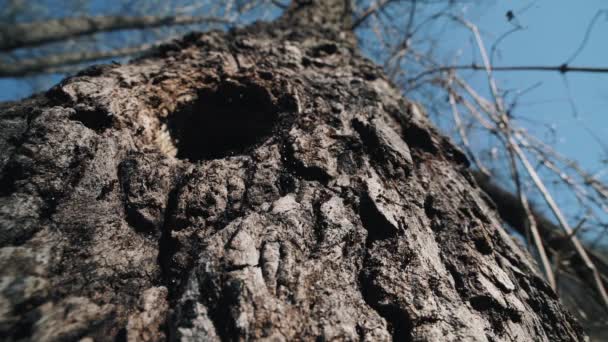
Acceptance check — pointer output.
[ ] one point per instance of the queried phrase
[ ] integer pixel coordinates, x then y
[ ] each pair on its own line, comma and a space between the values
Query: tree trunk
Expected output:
266, 183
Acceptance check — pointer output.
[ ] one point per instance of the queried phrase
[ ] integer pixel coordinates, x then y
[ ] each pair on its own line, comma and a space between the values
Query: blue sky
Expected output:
553, 31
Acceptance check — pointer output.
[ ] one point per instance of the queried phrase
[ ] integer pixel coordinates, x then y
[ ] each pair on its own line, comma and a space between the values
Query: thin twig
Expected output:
532, 227
586, 37
463, 135
368, 12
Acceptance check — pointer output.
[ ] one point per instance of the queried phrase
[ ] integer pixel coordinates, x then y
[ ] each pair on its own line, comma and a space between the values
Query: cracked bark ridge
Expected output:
266, 183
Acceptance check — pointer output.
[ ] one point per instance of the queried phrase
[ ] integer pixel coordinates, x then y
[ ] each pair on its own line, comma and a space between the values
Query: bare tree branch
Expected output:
369, 11
530, 220
555, 68
55, 63
14, 36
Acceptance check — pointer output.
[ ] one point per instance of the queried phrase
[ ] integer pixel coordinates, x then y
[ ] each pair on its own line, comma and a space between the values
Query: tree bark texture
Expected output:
266, 183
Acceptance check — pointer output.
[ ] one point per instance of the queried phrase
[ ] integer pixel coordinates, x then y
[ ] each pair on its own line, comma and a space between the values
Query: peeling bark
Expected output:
265, 183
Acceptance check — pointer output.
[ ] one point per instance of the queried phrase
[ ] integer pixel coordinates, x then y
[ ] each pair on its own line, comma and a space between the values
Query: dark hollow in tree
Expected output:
224, 121
151, 201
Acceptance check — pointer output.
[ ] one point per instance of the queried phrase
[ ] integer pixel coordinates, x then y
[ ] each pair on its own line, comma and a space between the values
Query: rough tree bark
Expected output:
265, 183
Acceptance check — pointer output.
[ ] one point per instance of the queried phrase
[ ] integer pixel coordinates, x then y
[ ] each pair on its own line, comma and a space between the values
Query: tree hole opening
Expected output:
225, 121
